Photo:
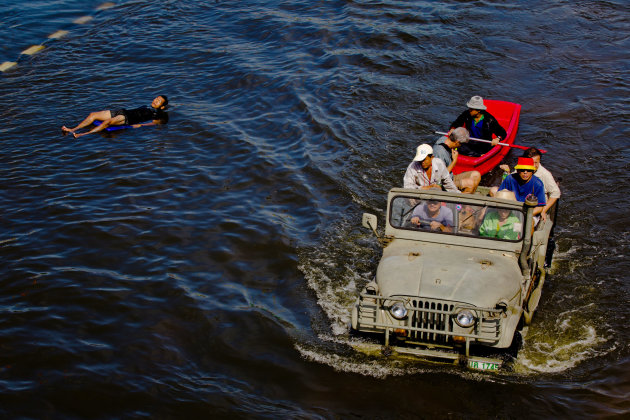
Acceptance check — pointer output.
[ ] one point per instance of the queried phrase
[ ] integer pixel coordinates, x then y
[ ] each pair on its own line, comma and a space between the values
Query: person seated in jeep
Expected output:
502, 223
433, 215
470, 218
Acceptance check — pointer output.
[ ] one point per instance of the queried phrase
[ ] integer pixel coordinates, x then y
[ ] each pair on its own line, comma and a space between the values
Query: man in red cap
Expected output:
523, 183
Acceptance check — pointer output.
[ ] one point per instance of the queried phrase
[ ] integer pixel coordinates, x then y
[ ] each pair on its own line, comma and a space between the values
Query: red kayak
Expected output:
507, 114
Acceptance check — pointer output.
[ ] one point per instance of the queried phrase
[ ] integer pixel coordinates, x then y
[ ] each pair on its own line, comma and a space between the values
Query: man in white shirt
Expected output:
552, 191
551, 187
426, 172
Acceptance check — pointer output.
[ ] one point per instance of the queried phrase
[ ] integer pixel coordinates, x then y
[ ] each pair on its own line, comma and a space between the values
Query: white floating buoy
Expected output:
83, 19
33, 49
58, 34
7, 65
106, 6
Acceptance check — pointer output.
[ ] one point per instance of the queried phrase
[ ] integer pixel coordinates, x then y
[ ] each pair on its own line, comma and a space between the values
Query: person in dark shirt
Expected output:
481, 125
134, 117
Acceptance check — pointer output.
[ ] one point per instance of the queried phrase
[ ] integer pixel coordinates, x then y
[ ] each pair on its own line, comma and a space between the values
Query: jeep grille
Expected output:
429, 321
432, 316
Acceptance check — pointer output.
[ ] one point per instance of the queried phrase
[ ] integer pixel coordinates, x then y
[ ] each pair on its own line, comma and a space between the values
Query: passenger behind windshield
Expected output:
470, 218
501, 224
433, 215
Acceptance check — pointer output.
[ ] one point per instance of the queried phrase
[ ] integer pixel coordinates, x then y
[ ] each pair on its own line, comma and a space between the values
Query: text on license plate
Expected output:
483, 365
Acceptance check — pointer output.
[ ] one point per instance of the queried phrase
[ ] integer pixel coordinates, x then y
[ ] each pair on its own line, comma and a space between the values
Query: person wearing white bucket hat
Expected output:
481, 124
476, 102
427, 172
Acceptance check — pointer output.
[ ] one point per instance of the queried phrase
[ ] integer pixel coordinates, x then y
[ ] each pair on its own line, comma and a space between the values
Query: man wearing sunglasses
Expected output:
523, 182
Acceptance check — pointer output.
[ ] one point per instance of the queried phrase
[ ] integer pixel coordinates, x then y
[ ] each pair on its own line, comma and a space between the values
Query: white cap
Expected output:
422, 152
476, 102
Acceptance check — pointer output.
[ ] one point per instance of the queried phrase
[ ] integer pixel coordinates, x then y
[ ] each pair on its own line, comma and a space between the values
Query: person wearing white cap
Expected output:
481, 124
427, 172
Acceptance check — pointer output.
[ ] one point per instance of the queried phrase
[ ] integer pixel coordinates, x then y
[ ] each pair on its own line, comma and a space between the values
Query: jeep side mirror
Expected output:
370, 221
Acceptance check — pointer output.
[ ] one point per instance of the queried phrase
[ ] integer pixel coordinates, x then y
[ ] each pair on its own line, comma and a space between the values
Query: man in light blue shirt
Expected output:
433, 215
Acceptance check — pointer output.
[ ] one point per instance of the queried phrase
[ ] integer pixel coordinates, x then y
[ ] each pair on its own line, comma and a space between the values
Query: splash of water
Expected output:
570, 341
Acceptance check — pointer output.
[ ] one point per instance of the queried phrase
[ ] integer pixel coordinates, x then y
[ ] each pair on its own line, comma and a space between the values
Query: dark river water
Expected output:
206, 268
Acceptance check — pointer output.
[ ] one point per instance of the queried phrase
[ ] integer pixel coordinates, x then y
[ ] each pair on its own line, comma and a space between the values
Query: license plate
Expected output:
483, 365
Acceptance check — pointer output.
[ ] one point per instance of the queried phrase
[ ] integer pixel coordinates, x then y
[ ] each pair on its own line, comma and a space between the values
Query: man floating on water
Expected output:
133, 117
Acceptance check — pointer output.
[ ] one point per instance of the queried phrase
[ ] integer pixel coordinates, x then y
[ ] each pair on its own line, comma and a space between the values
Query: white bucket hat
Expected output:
476, 102
422, 152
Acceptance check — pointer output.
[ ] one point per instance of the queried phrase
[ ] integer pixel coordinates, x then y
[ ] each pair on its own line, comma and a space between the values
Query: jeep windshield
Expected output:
457, 218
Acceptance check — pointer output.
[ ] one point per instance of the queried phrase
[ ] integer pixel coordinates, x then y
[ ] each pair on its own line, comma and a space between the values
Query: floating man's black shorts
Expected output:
120, 112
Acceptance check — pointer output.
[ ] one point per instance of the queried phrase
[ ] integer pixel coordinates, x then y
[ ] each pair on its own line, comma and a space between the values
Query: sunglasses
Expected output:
524, 170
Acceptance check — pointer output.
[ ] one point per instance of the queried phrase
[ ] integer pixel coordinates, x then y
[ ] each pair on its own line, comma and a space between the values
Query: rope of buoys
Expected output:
34, 49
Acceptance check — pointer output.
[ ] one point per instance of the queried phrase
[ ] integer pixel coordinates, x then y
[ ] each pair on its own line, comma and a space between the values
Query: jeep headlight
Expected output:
398, 310
465, 318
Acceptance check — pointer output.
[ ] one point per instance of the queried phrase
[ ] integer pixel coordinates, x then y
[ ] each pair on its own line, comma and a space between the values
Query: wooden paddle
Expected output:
516, 146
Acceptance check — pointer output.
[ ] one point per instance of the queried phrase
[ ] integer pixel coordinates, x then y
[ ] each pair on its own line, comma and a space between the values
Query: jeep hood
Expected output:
480, 277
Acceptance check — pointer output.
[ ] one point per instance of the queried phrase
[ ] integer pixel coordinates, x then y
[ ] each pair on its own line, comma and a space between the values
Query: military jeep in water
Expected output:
460, 276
